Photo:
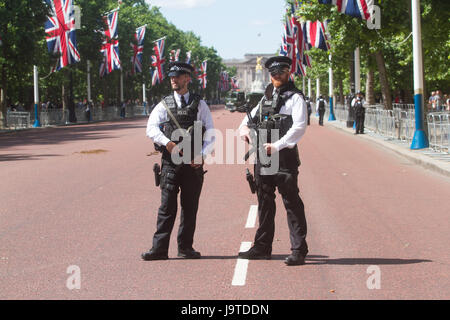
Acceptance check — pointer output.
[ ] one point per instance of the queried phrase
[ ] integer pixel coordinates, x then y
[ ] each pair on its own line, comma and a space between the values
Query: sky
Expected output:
232, 27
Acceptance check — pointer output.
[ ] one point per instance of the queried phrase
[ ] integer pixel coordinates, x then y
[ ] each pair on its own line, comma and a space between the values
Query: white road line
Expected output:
252, 213
240, 271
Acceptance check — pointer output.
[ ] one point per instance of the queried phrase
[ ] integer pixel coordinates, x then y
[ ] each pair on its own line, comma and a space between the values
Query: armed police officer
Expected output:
321, 105
283, 107
358, 105
173, 126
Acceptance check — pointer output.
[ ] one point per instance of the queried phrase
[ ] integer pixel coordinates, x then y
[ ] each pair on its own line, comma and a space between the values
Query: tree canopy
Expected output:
387, 50
24, 45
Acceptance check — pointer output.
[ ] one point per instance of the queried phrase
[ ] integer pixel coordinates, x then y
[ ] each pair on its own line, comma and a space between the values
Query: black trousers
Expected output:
286, 181
359, 123
190, 182
321, 114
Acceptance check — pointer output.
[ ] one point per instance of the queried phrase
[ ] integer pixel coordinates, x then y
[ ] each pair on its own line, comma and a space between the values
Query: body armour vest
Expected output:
269, 117
186, 118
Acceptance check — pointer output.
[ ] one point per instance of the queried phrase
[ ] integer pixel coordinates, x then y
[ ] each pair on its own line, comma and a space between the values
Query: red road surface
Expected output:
365, 207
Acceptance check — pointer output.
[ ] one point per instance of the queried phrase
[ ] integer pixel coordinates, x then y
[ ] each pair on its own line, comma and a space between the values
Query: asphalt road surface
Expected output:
78, 206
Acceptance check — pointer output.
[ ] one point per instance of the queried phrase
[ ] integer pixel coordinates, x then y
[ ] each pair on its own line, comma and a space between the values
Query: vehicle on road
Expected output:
234, 99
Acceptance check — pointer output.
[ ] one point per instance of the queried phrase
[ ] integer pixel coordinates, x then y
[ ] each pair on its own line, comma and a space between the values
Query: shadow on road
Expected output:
59, 135
18, 157
316, 260
319, 260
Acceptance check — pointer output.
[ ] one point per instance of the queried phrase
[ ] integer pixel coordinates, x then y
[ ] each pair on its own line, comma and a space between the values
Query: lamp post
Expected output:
36, 97
420, 139
330, 92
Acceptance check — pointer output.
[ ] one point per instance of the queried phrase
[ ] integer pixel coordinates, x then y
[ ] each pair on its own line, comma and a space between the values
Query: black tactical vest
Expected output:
268, 117
185, 116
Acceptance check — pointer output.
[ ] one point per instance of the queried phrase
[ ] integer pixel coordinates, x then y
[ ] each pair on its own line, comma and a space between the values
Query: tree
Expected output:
21, 36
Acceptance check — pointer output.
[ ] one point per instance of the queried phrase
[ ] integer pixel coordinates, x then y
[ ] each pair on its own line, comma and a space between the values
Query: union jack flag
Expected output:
224, 81
202, 76
234, 83
158, 61
188, 57
174, 55
315, 36
138, 50
355, 8
60, 27
110, 46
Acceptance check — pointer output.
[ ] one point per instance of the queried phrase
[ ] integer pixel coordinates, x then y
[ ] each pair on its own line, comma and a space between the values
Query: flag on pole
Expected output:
158, 61
174, 55
110, 46
355, 8
234, 83
188, 57
224, 81
315, 36
60, 29
138, 50
202, 76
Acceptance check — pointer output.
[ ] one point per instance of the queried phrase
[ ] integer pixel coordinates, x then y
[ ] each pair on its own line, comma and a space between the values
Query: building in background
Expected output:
245, 69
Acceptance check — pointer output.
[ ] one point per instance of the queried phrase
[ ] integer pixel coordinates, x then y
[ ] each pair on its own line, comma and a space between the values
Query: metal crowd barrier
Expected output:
18, 119
439, 131
58, 117
399, 123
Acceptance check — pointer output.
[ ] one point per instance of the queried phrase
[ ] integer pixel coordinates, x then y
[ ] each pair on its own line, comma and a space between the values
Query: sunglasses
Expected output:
278, 72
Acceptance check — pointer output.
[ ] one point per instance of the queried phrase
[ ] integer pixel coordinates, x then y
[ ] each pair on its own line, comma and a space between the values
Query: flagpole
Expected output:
121, 86
357, 71
144, 99
317, 93
159, 39
89, 81
303, 84
309, 88
36, 97
330, 92
420, 139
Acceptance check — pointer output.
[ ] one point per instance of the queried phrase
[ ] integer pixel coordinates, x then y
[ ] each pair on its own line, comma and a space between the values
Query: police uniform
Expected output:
358, 105
186, 109
321, 105
287, 105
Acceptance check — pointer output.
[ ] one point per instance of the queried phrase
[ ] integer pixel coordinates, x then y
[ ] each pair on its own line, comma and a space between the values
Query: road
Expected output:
84, 196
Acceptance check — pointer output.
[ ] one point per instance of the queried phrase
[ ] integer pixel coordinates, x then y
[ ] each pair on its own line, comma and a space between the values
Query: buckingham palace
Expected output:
245, 69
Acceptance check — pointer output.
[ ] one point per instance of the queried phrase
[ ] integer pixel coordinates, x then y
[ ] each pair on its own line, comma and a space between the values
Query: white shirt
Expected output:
296, 107
159, 115
354, 101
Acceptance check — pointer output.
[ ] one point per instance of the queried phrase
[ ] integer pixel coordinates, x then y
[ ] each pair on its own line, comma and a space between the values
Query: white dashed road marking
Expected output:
240, 271
251, 220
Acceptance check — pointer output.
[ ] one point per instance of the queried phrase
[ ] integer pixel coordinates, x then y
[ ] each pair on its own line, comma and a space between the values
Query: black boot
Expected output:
296, 258
152, 255
256, 253
189, 254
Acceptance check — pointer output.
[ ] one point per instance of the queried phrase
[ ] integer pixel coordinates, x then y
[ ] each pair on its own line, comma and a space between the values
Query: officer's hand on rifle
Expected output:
269, 148
245, 134
173, 148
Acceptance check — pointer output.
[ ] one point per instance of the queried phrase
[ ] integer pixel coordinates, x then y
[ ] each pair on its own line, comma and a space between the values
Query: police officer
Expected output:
321, 105
308, 106
358, 105
282, 100
180, 111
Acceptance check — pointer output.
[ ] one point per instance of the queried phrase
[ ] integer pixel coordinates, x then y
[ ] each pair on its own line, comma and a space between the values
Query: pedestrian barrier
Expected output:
51, 117
439, 131
18, 119
399, 123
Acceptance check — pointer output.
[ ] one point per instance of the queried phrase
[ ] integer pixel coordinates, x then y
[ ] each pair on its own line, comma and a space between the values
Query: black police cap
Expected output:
278, 62
179, 68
